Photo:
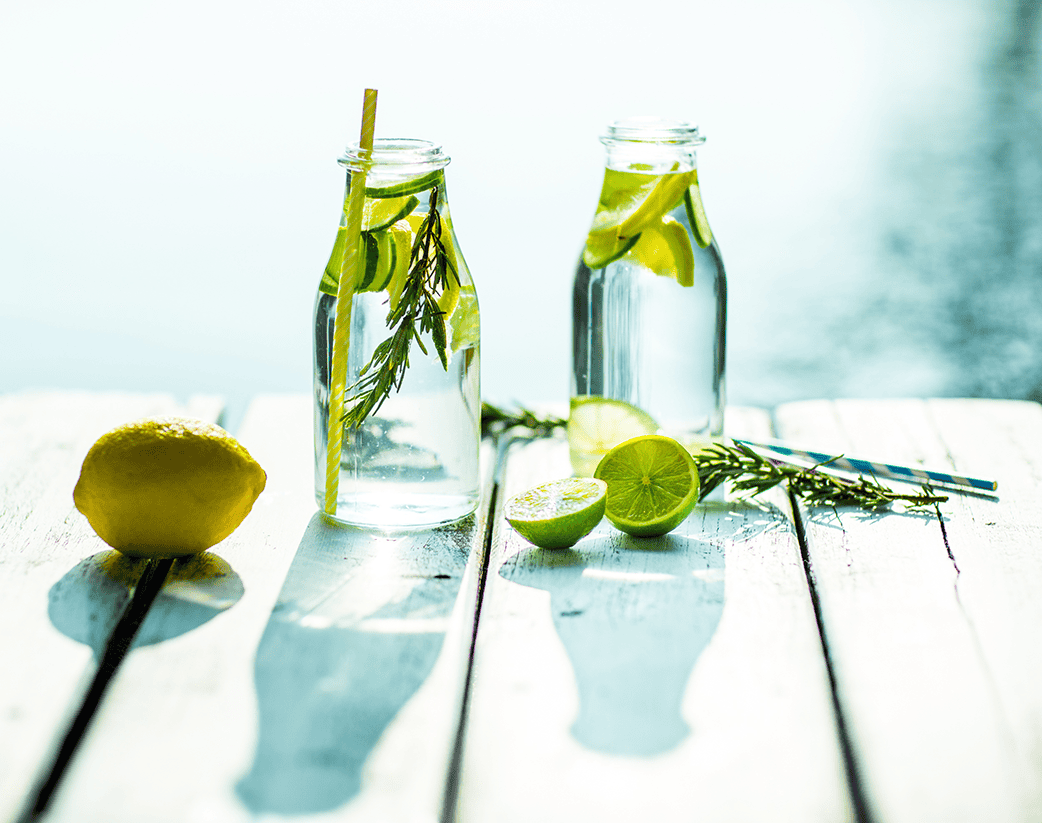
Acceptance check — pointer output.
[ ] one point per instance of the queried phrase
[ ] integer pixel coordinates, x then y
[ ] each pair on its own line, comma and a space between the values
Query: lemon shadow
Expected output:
86, 603
359, 623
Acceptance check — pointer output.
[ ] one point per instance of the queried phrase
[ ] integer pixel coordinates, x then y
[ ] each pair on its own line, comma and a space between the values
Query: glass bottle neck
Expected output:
651, 145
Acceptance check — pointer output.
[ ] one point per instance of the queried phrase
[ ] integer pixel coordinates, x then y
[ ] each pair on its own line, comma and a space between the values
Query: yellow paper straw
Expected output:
344, 298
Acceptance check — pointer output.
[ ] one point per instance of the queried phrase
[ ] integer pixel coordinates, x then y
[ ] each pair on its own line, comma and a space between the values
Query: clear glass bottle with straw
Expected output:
649, 300
412, 403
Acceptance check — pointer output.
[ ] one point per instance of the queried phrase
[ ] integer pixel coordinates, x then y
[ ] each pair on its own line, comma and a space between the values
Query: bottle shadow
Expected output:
87, 602
635, 615
356, 631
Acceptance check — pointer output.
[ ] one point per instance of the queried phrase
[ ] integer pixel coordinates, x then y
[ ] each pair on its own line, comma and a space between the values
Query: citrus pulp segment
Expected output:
558, 514
597, 424
652, 485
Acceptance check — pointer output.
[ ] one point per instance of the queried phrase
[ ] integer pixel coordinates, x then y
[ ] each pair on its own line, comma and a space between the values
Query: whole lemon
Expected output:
167, 486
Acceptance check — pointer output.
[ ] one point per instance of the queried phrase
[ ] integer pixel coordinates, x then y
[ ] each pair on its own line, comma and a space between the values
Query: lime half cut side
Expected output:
652, 485
597, 424
558, 514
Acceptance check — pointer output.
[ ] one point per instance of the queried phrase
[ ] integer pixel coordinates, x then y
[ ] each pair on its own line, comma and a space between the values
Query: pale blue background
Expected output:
873, 173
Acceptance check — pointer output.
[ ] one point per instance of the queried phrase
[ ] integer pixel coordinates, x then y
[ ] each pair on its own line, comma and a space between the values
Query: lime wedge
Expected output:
652, 485
665, 250
597, 424
381, 213
696, 215
557, 515
414, 186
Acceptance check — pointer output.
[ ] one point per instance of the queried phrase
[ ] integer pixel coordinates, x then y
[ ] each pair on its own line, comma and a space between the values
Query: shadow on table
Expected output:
634, 616
87, 602
356, 630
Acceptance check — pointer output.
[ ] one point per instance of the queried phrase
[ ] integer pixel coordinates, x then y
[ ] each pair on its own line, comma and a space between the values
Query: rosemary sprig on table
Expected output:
415, 314
747, 470
495, 419
751, 472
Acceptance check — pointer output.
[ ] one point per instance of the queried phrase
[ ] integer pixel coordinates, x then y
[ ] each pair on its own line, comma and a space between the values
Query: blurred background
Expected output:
169, 191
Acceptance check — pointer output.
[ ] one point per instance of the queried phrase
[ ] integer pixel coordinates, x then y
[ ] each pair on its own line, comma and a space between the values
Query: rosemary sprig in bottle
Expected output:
416, 313
751, 472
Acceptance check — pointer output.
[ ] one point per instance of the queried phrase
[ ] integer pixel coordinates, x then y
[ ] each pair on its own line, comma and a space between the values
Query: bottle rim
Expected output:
390, 153
659, 130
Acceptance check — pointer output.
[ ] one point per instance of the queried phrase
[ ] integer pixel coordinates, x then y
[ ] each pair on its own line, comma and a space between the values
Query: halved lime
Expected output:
652, 485
696, 215
597, 424
664, 249
558, 514
383, 212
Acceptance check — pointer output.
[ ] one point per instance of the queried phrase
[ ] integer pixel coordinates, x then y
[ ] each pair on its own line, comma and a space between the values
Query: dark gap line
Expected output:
122, 638
453, 779
855, 785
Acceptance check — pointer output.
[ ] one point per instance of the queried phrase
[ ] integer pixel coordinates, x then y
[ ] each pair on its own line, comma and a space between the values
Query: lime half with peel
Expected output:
597, 424
558, 514
652, 485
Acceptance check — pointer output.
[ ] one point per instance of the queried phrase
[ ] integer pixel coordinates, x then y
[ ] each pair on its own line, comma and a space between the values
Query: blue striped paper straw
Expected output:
888, 470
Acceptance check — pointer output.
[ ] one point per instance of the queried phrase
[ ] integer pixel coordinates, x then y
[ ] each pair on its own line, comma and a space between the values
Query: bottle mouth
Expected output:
658, 130
395, 152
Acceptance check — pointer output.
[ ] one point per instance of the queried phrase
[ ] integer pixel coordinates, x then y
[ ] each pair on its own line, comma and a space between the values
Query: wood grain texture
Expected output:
674, 679
50, 627
933, 627
330, 690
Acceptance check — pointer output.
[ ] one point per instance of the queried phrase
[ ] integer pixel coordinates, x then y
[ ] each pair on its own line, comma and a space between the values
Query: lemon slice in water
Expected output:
664, 249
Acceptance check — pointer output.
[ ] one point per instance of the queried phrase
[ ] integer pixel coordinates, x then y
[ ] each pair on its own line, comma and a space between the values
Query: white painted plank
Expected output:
927, 723
54, 605
668, 680
997, 549
329, 691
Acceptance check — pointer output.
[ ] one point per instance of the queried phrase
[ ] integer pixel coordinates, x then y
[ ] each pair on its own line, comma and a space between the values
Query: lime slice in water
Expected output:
558, 514
381, 213
413, 186
696, 215
464, 322
652, 485
597, 424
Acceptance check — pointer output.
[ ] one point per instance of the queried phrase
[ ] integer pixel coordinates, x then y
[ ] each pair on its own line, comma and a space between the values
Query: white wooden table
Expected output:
758, 664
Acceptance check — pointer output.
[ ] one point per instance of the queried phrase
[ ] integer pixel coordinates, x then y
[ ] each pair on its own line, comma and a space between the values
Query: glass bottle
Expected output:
413, 461
649, 300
